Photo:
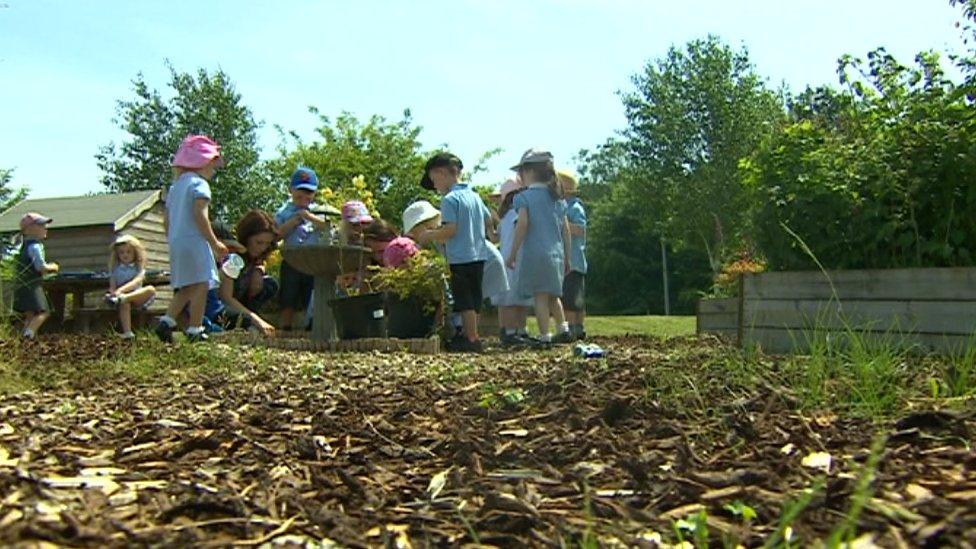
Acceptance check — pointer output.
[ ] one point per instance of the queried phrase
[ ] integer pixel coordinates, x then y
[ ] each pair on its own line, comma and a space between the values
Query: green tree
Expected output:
693, 115
9, 195
204, 103
387, 154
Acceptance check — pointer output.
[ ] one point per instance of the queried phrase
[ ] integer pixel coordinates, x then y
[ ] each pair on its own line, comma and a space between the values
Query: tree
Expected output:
8, 195
204, 103
691, 118
387, 154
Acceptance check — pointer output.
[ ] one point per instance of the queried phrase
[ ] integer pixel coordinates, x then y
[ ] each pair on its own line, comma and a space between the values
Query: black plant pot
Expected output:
359, 316
408, 319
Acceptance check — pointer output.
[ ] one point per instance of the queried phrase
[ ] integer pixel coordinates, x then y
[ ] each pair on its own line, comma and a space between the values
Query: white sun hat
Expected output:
417, 213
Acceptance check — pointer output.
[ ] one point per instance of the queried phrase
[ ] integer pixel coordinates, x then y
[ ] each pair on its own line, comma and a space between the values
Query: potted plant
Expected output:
415, 294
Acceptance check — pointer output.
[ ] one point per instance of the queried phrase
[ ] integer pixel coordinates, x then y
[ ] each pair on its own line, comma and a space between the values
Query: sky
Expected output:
476, 74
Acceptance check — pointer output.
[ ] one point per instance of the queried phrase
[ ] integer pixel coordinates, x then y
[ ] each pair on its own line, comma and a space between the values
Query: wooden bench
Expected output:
84, 320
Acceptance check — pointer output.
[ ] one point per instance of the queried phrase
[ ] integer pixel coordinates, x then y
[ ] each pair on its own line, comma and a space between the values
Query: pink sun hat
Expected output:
398, 251
355, 212
196, 151
507, 187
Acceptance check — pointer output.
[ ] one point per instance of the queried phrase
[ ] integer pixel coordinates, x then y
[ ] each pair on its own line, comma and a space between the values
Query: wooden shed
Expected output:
85, 226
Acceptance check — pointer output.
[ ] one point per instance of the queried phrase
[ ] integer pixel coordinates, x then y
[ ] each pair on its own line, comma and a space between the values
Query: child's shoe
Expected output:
113, 301
127, 336
199, 337
563, 337
164, 331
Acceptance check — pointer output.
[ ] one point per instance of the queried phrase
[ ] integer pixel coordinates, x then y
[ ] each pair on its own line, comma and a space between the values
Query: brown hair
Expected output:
380, 231
137, 247
507, 203
253, 223
543, 172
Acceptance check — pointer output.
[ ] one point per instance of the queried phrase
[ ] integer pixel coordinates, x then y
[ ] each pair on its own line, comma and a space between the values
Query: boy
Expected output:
465, 221
29, 297
574, 285
297, 226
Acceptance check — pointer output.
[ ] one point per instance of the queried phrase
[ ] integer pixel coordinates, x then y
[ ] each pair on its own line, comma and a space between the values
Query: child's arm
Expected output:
289, 226
441, 234
136, 282
39, 262
233, 305
566, 251
577, 230
200, 217
521, 229
316, 220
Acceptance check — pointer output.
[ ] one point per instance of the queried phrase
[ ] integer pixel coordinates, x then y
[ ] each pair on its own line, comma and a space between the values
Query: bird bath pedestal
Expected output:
325, 262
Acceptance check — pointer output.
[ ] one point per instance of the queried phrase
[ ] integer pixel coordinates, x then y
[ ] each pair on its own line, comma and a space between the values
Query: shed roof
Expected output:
83, 211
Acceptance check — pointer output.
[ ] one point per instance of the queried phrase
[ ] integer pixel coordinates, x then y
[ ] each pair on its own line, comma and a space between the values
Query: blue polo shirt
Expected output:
464, 208
577, 244
303, 233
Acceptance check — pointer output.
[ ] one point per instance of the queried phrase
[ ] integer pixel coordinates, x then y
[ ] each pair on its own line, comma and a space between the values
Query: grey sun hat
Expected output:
533, 156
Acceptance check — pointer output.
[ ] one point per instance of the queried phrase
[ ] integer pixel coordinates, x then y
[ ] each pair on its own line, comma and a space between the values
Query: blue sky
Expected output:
476, 74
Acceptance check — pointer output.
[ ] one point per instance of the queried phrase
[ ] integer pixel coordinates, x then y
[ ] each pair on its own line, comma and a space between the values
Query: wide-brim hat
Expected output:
355, 211
417, 213
568, 181
196, 151
533, 156
439, 160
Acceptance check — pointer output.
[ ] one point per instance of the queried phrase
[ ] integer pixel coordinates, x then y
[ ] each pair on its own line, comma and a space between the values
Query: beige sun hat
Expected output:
417, 213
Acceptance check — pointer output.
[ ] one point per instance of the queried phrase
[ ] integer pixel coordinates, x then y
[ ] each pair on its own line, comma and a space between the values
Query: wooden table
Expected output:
59, 287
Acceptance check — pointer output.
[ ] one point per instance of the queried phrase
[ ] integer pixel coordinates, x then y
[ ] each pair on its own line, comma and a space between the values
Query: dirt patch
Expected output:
499, 449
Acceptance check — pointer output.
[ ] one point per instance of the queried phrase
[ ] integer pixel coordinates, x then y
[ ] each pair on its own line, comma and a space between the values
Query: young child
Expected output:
193, 247
29, 298
127, 271
355, 218
574, 285
542, 229
465, 220
512, 308
297, 226
420, 216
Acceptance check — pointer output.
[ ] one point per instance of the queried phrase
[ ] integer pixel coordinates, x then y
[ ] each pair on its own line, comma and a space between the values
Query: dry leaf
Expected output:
437, 483
817, 460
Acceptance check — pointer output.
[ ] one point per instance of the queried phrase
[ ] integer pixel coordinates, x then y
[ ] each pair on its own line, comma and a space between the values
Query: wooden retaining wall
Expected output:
934, 309
719, 317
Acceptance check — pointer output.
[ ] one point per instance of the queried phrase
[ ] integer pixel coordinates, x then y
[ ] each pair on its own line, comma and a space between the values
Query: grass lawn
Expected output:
660, 326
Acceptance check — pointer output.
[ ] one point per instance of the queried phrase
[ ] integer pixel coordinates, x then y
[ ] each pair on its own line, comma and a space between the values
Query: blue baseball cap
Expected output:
304, 178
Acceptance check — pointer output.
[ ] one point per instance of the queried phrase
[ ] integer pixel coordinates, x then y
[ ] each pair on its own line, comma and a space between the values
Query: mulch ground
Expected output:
503, 449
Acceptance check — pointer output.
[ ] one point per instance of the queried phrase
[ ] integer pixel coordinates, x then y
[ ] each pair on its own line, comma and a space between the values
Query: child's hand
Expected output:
266, 329
220, 250
511, 262
54, 267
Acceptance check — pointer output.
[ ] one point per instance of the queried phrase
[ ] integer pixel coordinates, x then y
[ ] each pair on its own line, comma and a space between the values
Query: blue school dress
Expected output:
540, 260
191, 260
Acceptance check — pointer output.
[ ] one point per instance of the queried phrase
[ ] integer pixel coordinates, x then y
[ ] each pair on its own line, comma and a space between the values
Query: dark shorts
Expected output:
31, 299
574, 290
466, 286
296, 288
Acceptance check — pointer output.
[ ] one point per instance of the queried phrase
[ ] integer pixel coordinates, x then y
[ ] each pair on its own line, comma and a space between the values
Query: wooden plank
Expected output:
709, 323
772, 340
958, 283
936, 317
724, 305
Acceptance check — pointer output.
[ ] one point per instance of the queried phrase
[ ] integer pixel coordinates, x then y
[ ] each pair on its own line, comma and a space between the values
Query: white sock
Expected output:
195, 330
168, 320
121, 298
28, 333
128, 335
564, 327
545, 338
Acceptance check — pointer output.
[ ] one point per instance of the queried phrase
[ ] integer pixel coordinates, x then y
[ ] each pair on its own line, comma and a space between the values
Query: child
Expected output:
419, 217
543, 230
297, 226
355, 218
29, 297
512, 309
574, 285
465, 220
127, 270
193, 247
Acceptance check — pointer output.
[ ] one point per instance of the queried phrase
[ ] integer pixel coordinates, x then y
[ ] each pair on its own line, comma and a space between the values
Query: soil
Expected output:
500, 449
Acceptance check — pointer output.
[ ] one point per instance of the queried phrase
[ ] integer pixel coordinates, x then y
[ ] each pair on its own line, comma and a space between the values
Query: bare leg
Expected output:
178, 303
469, 323
198, 303
542, 313
521, 318
284, 323
34, 321
556, 307
125, 316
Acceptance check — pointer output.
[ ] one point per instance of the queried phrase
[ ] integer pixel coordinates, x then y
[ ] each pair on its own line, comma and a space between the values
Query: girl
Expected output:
244, 296
127, 268
542, 228
193, 247
355, 217
512, 309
